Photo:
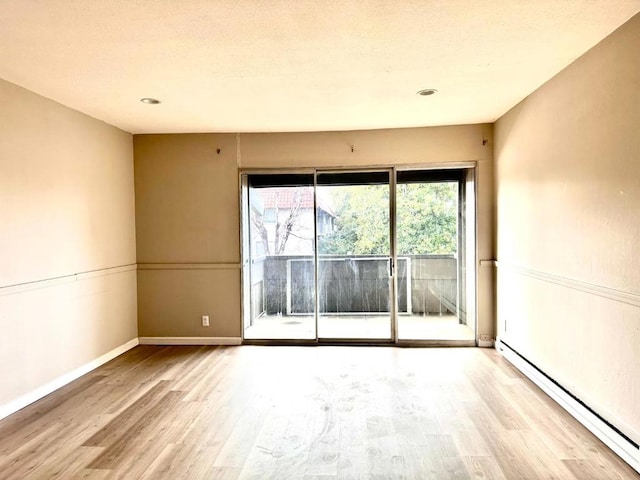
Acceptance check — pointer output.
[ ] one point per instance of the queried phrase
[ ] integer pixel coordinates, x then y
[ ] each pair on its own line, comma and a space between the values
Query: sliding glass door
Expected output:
354, 255
431, 231
379, 255
279, 273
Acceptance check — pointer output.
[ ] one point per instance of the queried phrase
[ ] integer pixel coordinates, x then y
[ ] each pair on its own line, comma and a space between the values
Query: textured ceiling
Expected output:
296, 65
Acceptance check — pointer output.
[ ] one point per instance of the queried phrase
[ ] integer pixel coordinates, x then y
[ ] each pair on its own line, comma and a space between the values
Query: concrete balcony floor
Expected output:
361, 326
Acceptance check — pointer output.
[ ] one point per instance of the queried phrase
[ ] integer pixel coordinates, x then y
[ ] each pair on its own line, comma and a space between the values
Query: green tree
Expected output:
427, 219
362, 221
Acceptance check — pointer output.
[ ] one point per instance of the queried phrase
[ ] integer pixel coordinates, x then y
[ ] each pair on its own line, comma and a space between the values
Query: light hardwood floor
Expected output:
302, 413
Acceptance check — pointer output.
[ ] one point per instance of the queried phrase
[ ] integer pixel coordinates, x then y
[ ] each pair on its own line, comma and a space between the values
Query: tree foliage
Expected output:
426, 216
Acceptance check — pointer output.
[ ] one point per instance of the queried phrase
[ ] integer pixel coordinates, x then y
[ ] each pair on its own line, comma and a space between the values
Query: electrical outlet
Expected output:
485, 338
205, 320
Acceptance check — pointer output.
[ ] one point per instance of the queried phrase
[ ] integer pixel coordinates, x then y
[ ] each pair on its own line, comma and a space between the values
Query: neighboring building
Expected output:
283, 220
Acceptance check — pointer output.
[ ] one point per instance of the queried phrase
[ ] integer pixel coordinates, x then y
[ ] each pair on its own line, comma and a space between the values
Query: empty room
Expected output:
341, 239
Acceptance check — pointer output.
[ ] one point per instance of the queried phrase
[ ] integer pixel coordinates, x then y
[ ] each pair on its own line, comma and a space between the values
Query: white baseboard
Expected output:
44, 390
616, 442
485, 343
190, 341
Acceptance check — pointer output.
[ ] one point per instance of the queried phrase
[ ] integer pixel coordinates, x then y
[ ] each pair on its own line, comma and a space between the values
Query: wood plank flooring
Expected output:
307, 413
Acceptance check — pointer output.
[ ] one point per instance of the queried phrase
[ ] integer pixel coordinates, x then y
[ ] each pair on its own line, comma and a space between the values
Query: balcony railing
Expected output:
355, 284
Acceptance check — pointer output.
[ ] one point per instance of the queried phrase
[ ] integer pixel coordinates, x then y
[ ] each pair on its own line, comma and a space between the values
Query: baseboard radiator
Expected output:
609, 434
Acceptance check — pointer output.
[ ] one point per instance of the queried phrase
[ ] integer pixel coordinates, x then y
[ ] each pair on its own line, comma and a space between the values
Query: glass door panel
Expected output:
430, 242
353, 229
279, 220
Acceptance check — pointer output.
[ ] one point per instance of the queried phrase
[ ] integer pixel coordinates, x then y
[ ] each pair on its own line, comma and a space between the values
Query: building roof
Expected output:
285, 197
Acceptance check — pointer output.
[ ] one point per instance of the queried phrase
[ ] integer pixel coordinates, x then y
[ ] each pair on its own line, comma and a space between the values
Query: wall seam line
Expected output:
189, 266
47, 282
621, 296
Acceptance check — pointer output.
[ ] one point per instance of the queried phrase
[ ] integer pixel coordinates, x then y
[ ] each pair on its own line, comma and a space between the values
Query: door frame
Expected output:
392, 339
468, 192
468, 182
245, 252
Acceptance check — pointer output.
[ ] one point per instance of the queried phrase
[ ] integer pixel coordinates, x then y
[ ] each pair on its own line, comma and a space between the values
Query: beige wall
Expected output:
187, 210
568, 224
187, 228
66, 191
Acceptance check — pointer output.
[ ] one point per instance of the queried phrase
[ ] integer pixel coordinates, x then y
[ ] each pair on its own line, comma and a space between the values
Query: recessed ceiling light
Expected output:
426, 92
150, 101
